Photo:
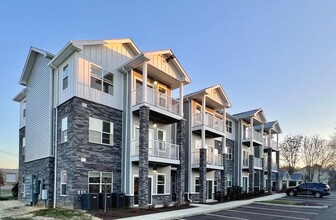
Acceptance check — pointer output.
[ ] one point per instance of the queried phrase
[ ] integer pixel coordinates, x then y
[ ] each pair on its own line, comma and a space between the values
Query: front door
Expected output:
209, 189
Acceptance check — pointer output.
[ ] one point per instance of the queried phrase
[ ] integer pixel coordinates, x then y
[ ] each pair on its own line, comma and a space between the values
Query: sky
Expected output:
275, 55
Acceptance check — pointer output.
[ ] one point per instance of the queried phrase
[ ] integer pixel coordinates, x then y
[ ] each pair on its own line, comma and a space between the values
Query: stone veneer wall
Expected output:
251, 174
161, 199
143, 157
98, 157
42, 169
202, 175
277, 160
269, 170
181, 169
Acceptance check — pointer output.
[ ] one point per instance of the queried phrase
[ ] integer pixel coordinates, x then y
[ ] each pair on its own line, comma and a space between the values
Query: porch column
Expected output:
202, 175
269, 170
203, 158
144, 82
251, 173
181, 99
224, 130
143, 157
277, 159
262, 178
224, 171
181, 170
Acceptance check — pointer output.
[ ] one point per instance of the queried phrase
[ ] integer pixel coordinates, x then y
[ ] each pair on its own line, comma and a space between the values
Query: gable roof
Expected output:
283, 175
297, 177
77, 45
273, 125
207, 90
250, 114
33, 52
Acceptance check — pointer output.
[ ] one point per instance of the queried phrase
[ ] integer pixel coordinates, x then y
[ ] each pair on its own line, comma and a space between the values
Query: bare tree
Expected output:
318, 156
290, 151
2, 182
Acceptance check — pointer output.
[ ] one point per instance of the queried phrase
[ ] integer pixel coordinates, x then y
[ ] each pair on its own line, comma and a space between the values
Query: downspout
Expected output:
55, 160
189, 149
126, 133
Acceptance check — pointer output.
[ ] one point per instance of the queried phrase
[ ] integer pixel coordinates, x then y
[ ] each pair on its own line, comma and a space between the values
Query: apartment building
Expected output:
100, 117
97, 117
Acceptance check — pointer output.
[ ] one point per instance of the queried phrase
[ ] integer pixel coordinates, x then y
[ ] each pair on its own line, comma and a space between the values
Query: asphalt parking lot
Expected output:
268, 212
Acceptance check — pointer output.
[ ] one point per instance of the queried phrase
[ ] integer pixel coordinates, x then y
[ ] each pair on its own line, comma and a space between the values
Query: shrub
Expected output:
166, 203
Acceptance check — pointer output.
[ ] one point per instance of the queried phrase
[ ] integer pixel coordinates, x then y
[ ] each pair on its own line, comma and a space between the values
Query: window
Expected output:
228, 180
100, 182
197, 184
101, 132
161, 183
64, 178
65, 77
162, 139
229, 153
23, 146
64, 133
244, 184
228, 126
24, 113
101, 79
245, 158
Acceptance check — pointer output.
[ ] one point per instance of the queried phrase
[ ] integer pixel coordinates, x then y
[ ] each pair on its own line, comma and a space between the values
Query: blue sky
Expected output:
278, 55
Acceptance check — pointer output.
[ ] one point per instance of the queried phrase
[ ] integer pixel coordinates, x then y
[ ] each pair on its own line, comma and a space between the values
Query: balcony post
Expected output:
224, 120
262, 181
262, 139
143, 157
181, 168
181, 99
203, 122
270, 138
251, 140
144, 82
277, 160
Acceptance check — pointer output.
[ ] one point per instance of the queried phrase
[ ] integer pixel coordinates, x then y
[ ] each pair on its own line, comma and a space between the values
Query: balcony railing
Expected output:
273, 144
275, 166
209, 121
158, 148
256, 135
245, 162
211, 159
157, 99
257, 162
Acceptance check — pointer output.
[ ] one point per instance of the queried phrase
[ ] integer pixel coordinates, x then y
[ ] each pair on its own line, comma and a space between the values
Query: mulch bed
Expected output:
117, 213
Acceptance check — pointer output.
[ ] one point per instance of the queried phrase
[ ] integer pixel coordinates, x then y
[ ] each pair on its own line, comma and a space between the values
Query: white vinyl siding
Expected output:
70, 67
107, 57
38, 111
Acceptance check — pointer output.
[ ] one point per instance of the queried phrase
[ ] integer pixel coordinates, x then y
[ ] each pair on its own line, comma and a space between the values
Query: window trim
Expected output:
162, 143
64, 130
195, 185
229, 126
65, 76
100, 184
164, 183
63, 182
229, 180
111, 134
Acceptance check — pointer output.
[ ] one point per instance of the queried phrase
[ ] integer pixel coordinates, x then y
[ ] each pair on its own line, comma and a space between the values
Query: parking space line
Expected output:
280, 210
223, 216
255, 213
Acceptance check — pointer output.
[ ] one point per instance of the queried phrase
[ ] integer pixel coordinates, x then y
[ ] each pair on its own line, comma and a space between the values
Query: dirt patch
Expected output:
16, 209
132, 212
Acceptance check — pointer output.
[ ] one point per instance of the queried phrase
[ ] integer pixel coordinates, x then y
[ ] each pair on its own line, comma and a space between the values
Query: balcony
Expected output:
257, 136
212, 123
245, 163
213, 161
257, 163
158, 151
156, 99
273, 144
275, 167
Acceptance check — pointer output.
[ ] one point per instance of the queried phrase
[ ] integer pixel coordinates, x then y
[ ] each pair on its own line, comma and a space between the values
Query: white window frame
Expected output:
164, 183
228, 126
23, 146
64, 130
65, 77
229, 152
102, 79
163, 96
24, 113
64, 179
228, 180
101, 183
96, 126
195, 185
245, 152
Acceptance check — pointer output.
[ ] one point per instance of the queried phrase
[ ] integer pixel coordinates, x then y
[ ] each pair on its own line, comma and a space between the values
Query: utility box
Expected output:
44, 195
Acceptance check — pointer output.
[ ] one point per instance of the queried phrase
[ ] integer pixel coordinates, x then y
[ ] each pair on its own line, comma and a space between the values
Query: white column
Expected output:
224, 138
144, 82
262, 146
251, 141
277, 141
181, 99
203, 120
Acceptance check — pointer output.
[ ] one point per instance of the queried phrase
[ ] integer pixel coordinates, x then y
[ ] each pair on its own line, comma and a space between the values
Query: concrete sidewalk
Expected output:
204, 209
